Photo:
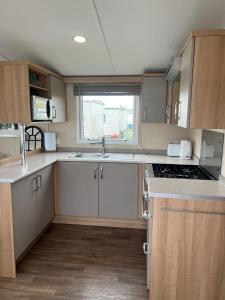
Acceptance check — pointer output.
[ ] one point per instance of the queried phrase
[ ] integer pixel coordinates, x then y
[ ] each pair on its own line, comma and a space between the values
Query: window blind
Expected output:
107, 89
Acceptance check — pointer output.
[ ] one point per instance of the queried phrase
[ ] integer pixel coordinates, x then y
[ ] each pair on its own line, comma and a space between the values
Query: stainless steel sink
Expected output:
89, 155
113, 156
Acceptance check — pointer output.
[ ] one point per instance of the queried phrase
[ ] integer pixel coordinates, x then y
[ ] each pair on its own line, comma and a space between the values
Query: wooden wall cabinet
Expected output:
18, 81
154, 98
188, 246
202, 84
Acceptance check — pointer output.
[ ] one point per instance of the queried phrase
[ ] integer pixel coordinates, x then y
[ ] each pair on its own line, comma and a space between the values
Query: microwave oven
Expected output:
41, 109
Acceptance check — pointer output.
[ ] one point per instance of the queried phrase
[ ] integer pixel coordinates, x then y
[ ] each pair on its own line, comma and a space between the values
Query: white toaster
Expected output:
173, 149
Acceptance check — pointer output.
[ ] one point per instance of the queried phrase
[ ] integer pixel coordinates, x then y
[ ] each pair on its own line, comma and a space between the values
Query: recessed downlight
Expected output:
79, 39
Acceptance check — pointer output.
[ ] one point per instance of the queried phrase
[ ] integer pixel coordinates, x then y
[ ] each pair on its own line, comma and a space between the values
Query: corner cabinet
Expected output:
188, 247
33, 207
202, 83
154, 98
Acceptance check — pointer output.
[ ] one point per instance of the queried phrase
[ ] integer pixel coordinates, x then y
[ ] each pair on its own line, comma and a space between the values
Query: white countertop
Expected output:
187, 188
159, 187
13, 172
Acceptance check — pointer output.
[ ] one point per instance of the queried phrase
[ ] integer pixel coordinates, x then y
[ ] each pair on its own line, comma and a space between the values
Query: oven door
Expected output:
41, 109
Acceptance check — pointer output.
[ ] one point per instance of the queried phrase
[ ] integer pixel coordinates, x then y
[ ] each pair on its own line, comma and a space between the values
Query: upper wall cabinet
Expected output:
202, 83
58, 96
18, 81
154, 95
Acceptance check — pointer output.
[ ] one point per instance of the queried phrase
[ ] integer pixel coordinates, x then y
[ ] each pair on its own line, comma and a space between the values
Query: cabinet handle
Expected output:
95, 173
146, 248
145, 113
145, 198
177, 105
101, 172
53, 112
34, 184
189, 211
147, 215
39, 182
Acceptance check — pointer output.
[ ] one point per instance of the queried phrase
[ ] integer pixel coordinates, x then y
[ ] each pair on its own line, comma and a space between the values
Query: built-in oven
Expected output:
147, 214
41, 109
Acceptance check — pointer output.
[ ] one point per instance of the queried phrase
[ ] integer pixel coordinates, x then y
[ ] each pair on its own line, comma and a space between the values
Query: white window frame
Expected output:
109, 141
10, 132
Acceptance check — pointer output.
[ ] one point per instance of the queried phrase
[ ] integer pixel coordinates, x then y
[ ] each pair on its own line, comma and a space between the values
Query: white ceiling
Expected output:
123, 36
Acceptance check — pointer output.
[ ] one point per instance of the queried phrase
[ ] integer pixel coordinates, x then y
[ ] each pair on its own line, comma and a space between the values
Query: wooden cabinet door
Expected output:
188, 247
185, 85
25, 217
58, 96
154, 97
45, 197
14, 94
78, 188
118, 190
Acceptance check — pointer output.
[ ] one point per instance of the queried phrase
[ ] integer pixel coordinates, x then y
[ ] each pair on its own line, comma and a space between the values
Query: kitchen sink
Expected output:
112, 156
89, 155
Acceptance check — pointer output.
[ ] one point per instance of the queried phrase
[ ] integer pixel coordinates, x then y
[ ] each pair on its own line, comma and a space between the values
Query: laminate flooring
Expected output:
81, 262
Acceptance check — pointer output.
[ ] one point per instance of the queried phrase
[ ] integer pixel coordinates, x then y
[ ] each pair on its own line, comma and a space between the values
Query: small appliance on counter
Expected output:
182, 149
50, 141
185, 149
173, 149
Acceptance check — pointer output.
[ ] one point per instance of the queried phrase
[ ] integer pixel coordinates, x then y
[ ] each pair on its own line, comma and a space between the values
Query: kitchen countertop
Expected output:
187, 188
13, 172
159, 187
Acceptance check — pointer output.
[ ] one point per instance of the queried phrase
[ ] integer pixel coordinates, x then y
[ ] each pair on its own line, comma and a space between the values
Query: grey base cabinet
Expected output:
118, 190
106, 190
79, 188
33, 207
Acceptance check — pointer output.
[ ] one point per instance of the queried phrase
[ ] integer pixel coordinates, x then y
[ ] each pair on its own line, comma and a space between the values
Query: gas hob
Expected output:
181, 171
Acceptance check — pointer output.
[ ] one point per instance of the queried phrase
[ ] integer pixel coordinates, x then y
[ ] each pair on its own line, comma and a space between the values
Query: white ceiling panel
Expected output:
145, 34
42, 31
123, 36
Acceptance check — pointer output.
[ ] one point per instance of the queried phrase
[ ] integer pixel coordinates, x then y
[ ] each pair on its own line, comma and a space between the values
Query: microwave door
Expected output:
41, 109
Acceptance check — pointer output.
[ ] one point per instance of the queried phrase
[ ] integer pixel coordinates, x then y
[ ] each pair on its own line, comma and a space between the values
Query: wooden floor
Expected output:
81, 262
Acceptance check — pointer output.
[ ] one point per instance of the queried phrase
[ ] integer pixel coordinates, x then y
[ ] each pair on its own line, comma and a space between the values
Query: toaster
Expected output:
173, 149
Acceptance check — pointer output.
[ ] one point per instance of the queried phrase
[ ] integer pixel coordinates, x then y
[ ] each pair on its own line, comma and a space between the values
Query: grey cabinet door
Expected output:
79, 188
45, 197
186, 85
25, 217
118, 190
154, 97
58, 96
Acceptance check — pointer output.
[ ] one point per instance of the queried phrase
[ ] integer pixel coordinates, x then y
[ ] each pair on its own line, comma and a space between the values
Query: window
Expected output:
9, 130
109, 110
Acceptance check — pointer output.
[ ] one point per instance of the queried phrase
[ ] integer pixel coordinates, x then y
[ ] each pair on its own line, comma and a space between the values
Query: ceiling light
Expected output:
79, 39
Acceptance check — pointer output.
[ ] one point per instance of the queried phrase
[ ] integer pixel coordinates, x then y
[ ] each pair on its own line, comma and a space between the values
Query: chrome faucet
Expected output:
102, 142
